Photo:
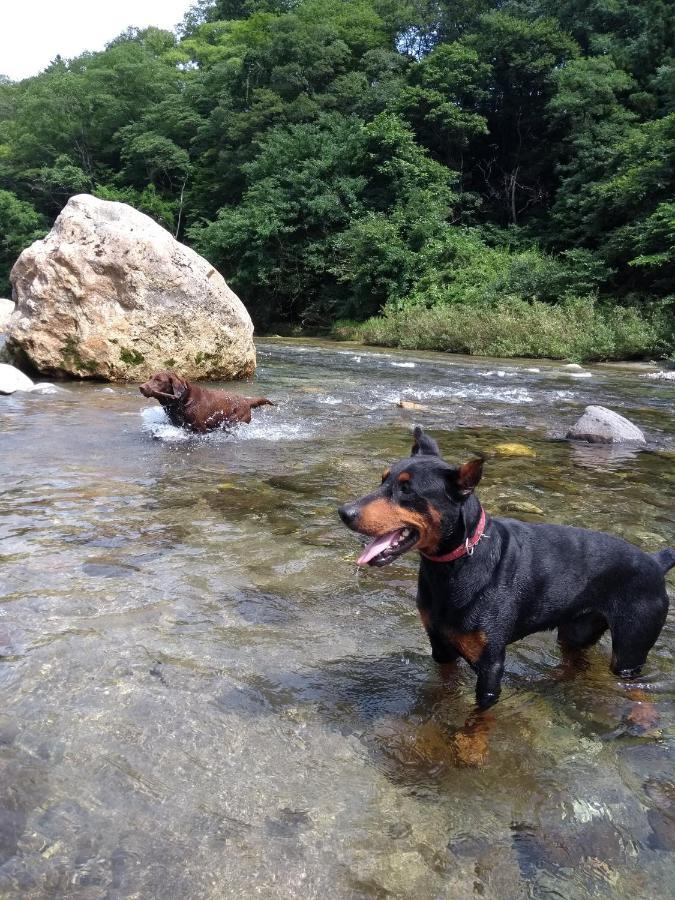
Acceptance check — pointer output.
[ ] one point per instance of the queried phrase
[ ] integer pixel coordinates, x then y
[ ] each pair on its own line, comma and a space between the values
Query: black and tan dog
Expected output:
486, 582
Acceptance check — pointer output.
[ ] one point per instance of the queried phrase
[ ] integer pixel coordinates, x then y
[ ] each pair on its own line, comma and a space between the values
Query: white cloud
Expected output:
33, 32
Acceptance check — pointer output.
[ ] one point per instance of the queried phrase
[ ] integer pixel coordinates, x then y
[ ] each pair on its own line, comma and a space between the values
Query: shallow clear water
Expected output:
202, 698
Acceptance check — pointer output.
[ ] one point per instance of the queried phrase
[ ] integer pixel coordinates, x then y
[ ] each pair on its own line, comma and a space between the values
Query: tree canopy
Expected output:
337, 158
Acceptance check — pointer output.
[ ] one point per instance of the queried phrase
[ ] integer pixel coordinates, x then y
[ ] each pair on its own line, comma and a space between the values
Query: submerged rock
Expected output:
513, 450
46, 387
522, 506
110, 294
600, 425
12, 380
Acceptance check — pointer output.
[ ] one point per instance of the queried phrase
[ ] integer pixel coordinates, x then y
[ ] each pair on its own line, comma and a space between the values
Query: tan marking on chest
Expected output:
470, 644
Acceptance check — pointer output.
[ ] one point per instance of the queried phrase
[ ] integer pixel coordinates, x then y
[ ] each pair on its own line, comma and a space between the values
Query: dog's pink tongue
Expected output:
376, 547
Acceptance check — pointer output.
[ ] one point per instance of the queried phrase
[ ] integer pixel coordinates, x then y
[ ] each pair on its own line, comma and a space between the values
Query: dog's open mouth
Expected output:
386, 548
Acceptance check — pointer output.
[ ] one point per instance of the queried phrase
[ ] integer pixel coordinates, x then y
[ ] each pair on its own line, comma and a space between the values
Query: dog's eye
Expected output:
404, 487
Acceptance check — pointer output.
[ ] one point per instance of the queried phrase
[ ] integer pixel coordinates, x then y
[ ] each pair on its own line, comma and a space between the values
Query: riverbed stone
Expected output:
513, 449
13, 379
411, 404
522, 506
600, 425
111, 294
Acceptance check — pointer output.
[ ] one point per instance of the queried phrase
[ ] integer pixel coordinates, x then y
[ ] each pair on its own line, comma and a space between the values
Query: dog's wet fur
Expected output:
196, 408
519, 578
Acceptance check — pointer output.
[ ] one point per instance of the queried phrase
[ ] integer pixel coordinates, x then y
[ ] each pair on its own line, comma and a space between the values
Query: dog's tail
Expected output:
260, 401
665, 558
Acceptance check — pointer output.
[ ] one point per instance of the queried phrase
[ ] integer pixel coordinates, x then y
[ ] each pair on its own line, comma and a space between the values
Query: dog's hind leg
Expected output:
634, 633
582, 632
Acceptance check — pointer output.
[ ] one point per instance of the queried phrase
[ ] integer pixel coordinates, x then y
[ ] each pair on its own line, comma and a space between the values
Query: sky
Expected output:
33, 32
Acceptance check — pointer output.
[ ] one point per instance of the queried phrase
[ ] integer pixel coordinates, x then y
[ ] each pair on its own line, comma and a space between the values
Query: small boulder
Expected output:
110, 294
6, 310
599, 425
46, 387
12, 379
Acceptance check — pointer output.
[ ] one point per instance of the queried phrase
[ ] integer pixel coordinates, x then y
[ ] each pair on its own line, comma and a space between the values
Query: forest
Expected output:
476, 176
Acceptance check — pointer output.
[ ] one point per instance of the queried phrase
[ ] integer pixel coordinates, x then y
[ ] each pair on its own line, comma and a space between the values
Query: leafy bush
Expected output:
578, 328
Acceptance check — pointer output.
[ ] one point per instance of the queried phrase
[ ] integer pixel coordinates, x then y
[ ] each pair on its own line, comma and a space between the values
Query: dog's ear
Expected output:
178, 387
464, 479
423, 445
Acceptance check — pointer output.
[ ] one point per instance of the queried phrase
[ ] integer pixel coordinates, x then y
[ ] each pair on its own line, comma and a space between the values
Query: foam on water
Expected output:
454, 392
660, 376
262, 430
157, 425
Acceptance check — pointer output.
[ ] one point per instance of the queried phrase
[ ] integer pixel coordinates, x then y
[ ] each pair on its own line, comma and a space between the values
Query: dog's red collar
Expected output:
465, 549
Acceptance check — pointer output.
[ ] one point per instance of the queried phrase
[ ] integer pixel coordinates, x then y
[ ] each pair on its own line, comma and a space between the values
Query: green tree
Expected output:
20, 225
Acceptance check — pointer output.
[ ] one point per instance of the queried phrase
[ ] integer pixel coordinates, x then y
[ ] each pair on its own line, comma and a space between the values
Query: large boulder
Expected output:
110, 294
600, 425
6, 310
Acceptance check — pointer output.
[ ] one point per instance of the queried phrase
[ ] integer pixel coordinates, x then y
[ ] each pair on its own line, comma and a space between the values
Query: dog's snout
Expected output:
349, 513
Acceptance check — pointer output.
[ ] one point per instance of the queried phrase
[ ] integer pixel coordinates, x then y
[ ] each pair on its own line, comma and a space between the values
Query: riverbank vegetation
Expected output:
483, 176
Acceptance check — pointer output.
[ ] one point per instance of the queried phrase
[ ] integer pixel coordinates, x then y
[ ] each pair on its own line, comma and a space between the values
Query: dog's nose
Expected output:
349, 513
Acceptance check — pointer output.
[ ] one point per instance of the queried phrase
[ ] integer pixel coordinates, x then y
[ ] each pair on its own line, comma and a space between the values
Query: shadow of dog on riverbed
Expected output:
196, 408
487, 582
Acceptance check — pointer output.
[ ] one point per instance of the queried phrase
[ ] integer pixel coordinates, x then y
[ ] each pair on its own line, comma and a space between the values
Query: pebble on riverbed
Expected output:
410, 404
513, 449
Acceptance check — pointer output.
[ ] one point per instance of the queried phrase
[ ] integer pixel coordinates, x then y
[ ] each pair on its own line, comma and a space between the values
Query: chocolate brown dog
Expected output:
484, 582
199, 409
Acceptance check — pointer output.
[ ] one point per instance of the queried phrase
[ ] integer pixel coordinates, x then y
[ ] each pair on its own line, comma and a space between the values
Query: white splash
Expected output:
267, 430
264, 428
660, 376
157, 425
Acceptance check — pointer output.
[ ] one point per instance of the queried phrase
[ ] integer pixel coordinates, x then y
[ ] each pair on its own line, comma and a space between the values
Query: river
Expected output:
203, 698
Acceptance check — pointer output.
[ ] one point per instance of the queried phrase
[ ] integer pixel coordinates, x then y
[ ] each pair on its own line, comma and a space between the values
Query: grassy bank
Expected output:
577, 329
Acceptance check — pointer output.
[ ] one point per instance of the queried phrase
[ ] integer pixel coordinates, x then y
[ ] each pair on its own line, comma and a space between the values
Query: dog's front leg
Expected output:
490, 668
442, 651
